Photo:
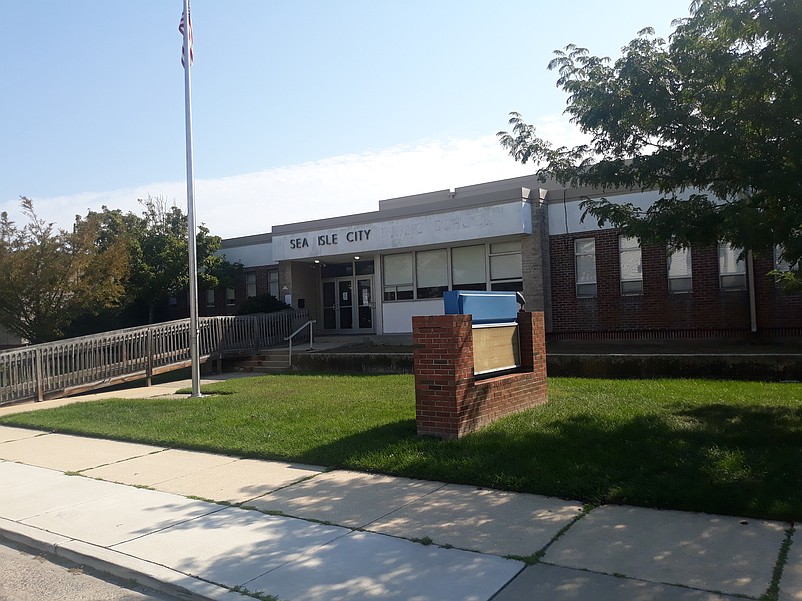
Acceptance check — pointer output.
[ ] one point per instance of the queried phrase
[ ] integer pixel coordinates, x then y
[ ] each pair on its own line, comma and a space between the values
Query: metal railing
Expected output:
289, 338
66, 367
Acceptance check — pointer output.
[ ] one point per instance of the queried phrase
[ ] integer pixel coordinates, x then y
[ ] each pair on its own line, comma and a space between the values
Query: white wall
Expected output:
566, 217
397, 316
254, 255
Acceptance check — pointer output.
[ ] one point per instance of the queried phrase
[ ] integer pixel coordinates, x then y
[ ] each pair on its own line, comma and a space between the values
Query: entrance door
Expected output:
365, 305
342, 312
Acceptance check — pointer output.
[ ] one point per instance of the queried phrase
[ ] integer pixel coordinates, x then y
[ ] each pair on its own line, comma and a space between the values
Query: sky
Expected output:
301, 109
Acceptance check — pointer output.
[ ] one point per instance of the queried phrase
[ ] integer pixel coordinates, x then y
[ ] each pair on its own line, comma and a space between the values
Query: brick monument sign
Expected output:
451, 400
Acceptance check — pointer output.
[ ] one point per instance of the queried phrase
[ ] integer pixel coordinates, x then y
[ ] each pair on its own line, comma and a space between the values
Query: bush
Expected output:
265, 303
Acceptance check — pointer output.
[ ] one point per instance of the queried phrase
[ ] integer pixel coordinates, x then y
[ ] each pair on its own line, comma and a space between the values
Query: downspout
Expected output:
750, 277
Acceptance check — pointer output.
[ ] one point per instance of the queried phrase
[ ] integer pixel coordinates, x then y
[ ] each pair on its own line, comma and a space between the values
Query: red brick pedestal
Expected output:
450, 402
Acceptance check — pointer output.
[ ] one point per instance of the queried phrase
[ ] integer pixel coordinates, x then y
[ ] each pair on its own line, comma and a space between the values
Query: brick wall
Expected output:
707, 309
221, 306
450, 402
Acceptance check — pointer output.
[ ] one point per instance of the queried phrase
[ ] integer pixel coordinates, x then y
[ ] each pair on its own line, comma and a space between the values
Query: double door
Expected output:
348, 305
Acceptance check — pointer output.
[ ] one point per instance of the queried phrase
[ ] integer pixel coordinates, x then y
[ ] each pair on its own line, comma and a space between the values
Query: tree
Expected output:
711, 118
49, 276
160, 255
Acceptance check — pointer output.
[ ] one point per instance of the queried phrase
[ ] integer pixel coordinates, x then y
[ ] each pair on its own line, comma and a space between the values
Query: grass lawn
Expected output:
721, 447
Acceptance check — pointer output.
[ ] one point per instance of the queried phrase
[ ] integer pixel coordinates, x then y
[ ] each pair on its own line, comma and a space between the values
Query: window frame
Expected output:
272, 278
732, 279
674, 286
399, 287
592, 287
630, 285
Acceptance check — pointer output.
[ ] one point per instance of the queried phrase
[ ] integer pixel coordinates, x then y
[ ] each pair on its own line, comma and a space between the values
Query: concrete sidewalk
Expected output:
299, 532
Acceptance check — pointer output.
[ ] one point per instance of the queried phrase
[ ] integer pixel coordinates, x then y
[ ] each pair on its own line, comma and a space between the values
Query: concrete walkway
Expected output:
219, 527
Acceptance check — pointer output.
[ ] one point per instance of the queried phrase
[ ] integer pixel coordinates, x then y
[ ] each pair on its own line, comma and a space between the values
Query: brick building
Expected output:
372, 272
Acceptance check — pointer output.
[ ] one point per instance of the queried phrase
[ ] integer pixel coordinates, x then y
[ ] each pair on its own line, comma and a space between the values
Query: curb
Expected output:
124, 567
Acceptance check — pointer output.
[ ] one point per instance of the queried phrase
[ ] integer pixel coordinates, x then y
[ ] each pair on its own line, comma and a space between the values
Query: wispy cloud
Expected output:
252, 203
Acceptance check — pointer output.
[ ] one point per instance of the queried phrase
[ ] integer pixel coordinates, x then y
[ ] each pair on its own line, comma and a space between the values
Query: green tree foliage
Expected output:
711, 118
159, 255
49, 276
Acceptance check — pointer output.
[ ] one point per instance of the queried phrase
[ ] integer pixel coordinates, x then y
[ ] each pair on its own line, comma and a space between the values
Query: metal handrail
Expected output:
65, 367
291, 336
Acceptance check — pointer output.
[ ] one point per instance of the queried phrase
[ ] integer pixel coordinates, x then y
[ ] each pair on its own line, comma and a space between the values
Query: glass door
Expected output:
345, 313
365, 305
330, 306
346, 303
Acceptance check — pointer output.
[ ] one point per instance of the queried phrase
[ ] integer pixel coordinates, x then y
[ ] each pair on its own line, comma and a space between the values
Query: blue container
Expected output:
485, 307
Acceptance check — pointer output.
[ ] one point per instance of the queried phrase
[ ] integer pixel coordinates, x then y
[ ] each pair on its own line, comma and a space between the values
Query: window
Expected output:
679, 271
585, 263
780, 263
506, 270
250, 285
731, 269
210, 297
468, 268
629, 259
272, 282
231, 297
398, 277
431, 269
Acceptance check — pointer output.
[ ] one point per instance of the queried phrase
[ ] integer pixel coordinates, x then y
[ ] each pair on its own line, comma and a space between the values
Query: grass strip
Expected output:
726, 447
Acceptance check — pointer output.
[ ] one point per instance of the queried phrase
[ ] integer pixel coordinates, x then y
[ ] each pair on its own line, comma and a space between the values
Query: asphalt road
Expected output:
25, 576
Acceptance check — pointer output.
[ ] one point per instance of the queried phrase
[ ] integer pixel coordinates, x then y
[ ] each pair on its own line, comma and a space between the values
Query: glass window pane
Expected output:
734, 282
632, 287
586, 289
336, 270
586, 269
680, 284
728, 262
432, 273
398, 269
432, 268
629, 260
364, 267
468, 265
505, 267
508, 286
505, 247
585, 246
780, 263
631, 268
272, 282
679, 263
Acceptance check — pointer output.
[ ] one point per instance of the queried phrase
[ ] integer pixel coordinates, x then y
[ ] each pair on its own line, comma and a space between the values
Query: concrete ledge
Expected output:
773, 367
390, 363
763, 366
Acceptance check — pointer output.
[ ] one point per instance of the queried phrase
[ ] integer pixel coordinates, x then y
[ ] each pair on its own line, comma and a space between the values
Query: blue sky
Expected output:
302, 109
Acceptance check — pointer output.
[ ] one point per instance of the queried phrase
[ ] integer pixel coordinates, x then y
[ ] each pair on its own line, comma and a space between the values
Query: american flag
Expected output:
181, 29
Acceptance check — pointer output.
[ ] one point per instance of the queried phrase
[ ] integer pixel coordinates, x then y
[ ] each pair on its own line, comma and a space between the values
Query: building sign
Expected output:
440, 228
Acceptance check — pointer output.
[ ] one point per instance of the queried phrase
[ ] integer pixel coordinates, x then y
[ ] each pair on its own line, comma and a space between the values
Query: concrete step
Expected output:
267, 361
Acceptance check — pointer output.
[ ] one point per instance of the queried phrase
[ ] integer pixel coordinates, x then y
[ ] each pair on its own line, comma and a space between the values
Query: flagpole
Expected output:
193, 260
